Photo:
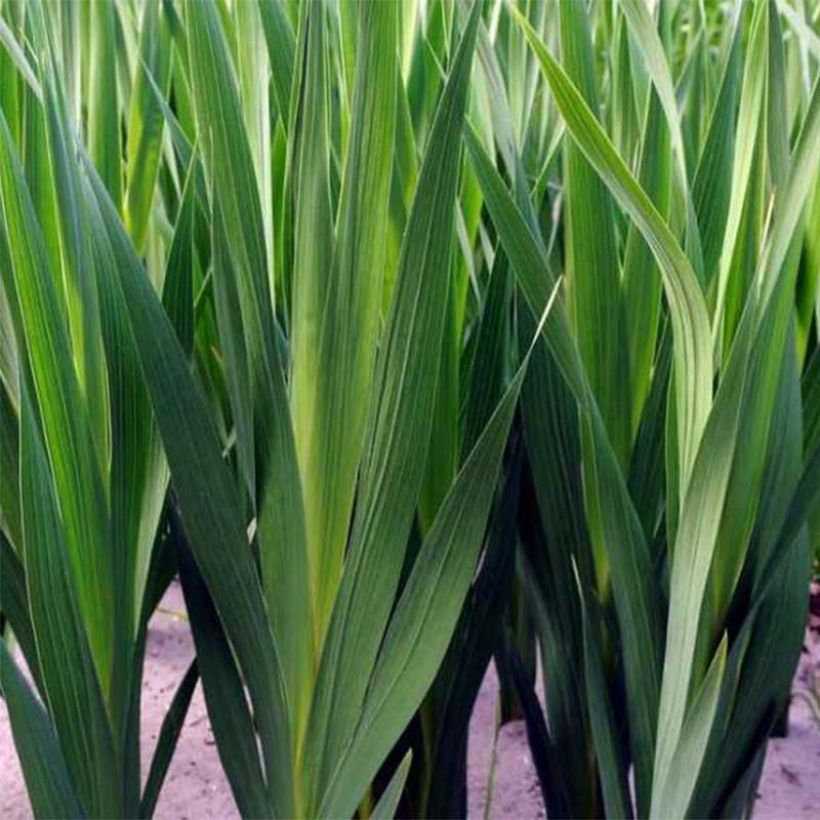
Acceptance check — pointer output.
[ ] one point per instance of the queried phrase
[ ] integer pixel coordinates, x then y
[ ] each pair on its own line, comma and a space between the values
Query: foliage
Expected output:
401, 332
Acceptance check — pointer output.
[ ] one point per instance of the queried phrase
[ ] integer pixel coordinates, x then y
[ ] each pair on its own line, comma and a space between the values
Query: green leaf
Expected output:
146, 120
253, 74
72, 687
591, 268
178, 281
313, 241
471, 648
79, 284
10, 468
621, 532
690, 321
103, 109
313, 229
720, 502
426, 613
65, 421
279, 509
543, 750
529, 261
18, 58
749, 115
228, 711
281, 51
442, 454
15, 606
671, 798
385, 809
554, 531
210, 504
44, 767
487, 370
397, 436
350, 316
646, 39
168, 737
641, 279
711, 189
602, 721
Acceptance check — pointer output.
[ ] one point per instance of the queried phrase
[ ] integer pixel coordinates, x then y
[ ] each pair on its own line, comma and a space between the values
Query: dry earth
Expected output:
196, 788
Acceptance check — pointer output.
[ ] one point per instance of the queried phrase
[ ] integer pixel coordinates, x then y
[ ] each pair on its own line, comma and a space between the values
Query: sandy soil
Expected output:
196, 788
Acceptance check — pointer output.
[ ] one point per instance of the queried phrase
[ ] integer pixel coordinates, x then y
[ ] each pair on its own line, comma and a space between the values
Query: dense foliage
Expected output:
408, 335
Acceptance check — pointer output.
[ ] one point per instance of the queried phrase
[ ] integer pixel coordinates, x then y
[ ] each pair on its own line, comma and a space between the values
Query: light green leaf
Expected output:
103, 109
72, 687
690, 321
350, 315
592, 270
397, 437
672, 797
385, 809
278, 497
66, 425
426, 613
145, 122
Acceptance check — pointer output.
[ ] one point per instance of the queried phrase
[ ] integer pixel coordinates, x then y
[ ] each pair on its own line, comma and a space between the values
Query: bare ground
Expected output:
196, 788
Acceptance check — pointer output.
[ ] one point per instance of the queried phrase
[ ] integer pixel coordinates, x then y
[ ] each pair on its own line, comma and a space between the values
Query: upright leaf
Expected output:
44, 768
426, 613
104, 109
593, 277
397, 436
145, 121
72, 687
65, 420
278, 496
210, 505
350, 316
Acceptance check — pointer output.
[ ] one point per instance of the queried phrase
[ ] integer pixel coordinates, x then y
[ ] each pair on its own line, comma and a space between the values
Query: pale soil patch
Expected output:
790, 788
196, 787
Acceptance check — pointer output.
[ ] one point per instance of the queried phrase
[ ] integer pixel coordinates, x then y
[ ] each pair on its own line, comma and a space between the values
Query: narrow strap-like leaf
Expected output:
281, 51
541, 746
647, 40
397, 439
611, 762
350, 310
385, 809
748, 122
690, 320
168, 737
104, 110
65, 420
671, 799
313, 241
592, 267
15, 607
209, 502
641, 280
717, 505
277, 490
228, 710
44, 768
10, 468
81, 301
426, 613
635, 594
711, 188
69, 677
146, 120
471, 648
